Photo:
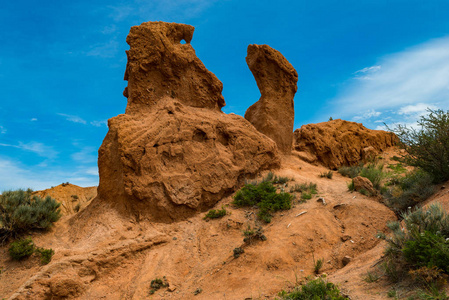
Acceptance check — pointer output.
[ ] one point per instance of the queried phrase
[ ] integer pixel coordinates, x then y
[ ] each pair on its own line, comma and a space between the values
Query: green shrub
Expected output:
428, 147
46, 255
409, 191
21, 249
422, 243
305, 196
264, 196
427, 250
318, 289
20, 213
215, 214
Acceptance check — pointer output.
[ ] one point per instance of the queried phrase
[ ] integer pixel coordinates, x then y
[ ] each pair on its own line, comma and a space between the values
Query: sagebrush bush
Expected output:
422, 242
314, 289
20, 213
408, 191
264, 196
21, 249
428, 147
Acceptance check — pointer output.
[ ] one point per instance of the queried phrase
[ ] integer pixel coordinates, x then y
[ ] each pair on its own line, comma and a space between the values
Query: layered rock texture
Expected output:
336, 143
273, 114
174, 152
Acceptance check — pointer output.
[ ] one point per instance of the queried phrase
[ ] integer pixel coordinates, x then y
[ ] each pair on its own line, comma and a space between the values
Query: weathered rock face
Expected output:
336, 143
273, 114
167, 158
159, 65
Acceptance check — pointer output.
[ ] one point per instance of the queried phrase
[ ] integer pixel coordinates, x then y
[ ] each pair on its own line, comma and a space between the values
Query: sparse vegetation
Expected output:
409, 191
428, 147
46, 255
371, 277
318, 265
314, 289
252, 235
157, 284
77, 207
216, 214
327, 174
237, 251
20, 213
374, 173
21, 249
264, 196
350, 171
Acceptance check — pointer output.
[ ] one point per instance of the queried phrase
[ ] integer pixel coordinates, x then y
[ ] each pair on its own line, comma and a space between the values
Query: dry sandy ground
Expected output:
102, 255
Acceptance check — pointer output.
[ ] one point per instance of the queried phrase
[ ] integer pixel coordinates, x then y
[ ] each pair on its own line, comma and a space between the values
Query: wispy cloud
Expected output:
85, 155
403, 84
74, 119
35, 147
99, 123
33, 119
2, 130
162, 9
104, 50
13, 175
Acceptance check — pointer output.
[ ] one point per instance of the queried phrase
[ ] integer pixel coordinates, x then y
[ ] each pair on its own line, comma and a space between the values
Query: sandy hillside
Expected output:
117, 258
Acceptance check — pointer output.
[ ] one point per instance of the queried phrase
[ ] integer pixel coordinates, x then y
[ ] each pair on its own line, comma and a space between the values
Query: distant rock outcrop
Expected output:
174, 152
273, 114
73, 198
336, 143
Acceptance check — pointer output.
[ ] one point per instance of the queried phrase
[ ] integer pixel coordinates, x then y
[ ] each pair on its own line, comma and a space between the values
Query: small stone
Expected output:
346, 260
345, 238
175, 238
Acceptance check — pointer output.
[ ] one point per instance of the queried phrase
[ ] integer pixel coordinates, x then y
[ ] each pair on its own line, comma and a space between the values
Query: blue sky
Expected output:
62, 65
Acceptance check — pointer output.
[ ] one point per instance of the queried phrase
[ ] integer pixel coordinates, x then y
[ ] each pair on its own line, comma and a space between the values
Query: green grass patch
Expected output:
265, 197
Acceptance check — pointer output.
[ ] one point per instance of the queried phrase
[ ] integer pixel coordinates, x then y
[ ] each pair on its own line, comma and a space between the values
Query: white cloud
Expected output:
35, 147
416, 109
85, 155
2, 130
33, 119
403, 84
104, 50
92, 171
367, 115
74, 119
99, 123
369, 69
13, 175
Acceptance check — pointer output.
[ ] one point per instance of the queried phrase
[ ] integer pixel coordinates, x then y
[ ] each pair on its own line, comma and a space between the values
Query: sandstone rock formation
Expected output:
159, 65
174, 152
336, 143
273, 114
